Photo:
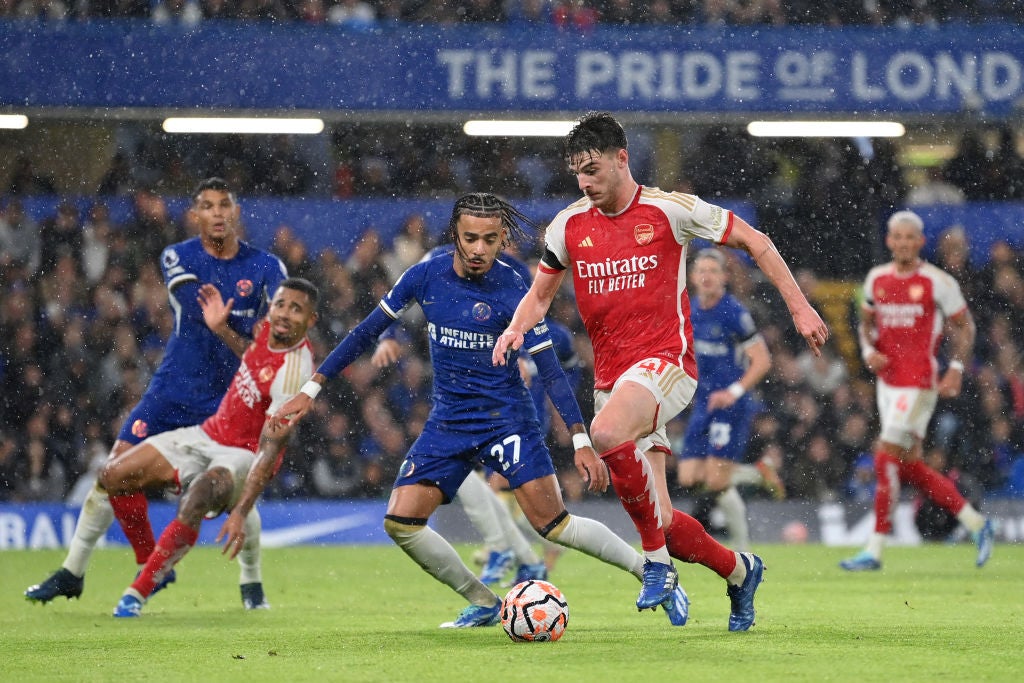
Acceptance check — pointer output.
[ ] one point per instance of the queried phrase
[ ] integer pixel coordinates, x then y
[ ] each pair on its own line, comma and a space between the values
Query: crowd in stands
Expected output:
84, 317
570, 14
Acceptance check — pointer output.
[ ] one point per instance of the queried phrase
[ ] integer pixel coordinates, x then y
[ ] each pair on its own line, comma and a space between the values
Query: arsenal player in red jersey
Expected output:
625, 247
908, 303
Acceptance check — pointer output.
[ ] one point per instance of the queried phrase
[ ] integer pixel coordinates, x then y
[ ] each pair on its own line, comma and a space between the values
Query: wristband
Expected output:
311, 389
866, 353
736, 389
956, 365
581, 441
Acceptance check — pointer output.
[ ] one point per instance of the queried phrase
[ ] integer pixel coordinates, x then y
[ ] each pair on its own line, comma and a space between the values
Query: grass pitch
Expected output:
370, 614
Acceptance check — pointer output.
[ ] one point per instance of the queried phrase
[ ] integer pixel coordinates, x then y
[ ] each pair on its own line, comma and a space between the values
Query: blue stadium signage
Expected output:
235, 65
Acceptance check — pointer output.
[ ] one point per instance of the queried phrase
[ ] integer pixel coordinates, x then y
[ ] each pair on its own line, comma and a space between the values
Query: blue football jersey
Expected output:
197, 366
720, 335
464, 318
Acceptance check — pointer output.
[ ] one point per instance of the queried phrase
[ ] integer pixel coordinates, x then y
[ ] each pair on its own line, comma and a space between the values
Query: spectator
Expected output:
25, 180
19, 238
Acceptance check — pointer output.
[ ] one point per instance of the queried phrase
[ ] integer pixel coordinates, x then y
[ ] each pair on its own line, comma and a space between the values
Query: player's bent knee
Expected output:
403, 528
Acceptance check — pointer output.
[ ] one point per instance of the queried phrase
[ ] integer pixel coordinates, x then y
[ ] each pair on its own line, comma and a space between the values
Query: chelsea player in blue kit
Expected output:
481, 414
197, 367
732, 358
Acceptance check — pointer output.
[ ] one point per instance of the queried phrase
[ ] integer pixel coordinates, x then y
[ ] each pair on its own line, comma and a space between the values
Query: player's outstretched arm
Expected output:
529, 312
760, 247
216, 313
272, 443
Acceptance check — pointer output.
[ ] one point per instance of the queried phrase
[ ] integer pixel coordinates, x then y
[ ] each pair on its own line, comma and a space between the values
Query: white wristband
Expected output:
311, 388
956, 365
736, 389
581, 441
867, 352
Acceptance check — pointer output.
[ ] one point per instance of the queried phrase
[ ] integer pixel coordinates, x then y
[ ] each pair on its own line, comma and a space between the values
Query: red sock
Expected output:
132, 512
938, 488
690, 542
634, 483
887, 490
176, 540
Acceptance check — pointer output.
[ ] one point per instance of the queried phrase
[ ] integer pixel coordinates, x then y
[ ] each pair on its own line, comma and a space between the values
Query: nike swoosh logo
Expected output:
300, 533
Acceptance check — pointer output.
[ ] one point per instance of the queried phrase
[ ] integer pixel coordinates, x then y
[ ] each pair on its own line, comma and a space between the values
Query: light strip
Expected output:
826, 129
13, 121
548, 129
244, 126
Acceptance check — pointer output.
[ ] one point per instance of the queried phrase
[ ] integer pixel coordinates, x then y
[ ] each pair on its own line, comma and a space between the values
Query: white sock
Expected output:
735, 511
513, 535
746, 474
249, 557
971, 518
595, 539
475, 497
438, 558
93, 521
739, 574
875, 546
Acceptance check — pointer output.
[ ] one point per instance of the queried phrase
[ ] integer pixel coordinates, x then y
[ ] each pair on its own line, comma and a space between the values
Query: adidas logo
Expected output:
587, 242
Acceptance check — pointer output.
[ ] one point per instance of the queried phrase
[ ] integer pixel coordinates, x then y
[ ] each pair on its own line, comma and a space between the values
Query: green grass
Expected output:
369, 614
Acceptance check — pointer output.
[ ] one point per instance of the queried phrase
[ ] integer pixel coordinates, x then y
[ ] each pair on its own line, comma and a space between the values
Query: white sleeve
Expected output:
296, 369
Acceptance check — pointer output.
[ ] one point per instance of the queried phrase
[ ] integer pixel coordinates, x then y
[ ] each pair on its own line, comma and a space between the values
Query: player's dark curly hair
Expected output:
595, 131
487, 205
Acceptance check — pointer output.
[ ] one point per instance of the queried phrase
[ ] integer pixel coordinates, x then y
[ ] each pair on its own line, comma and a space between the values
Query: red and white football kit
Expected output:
265, 379
910, 310
629, 271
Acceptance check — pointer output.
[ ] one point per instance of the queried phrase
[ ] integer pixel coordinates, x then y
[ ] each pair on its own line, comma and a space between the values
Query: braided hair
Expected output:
487, 205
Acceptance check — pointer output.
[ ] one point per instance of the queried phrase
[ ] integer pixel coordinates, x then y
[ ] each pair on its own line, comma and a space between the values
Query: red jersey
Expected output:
910, 310
629, 272
264, 381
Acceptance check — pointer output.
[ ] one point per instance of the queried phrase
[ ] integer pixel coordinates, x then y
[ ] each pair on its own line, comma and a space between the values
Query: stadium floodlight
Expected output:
547, 129
13, 121
826, 129
267, 126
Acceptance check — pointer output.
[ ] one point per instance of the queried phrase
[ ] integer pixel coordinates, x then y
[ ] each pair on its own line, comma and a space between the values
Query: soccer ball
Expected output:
534, 611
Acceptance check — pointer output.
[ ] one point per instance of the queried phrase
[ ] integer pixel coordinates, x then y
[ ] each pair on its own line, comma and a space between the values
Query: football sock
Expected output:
887, 490
595, 539
132, 512
746, 474
738, 575
438, 558
735, 511
93, 521
474, 496
176, 540
689, 542
971, 518
249, 557
551, 550
876, 544
938, 488
633, 481
513, 534
703, 504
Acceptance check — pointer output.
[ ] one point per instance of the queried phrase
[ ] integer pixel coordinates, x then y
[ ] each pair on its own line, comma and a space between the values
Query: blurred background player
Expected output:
626, 248
211, 461
908, 302
194, 373
482, 413
732, 358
